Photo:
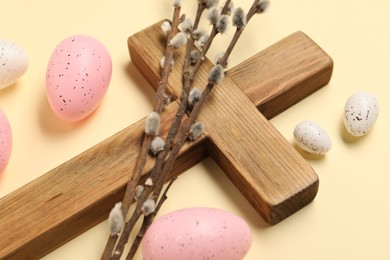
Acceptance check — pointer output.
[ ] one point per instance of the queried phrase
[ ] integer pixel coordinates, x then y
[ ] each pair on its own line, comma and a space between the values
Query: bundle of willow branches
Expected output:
197, 43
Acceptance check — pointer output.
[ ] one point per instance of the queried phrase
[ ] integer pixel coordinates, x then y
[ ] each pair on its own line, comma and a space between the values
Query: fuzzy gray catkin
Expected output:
223, 24
157, 145
202, 41
216, 74
187, 25
218, 58
213, 15
198, 33
196, 131
194, 96
239, 18
139, 189
115, 219
230, 8
177, 3
166, 27
262, 6
194, 56
179, 40
152, 124
148, 207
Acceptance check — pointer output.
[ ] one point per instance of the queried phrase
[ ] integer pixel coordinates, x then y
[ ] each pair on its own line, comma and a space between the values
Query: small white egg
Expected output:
360, 113
312, 138
13, 63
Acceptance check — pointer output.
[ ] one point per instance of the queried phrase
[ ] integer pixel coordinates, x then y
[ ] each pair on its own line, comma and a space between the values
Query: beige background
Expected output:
349, 219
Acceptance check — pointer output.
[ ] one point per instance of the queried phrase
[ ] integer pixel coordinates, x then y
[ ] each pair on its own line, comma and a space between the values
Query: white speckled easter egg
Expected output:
77, 77
5, 141
13, 63
312, 138
360, 113
197, 233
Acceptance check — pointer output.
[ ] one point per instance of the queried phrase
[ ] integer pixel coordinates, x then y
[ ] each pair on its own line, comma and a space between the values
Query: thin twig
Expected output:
252, 11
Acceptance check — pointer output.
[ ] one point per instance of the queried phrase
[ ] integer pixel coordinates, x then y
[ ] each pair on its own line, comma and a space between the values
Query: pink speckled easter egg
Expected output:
77, 77
5, 141
197, 233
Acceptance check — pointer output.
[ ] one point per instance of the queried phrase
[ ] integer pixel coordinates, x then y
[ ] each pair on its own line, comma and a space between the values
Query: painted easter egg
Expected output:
312, 138
197, 233
13, 63
77, 77
360, 113
5, 141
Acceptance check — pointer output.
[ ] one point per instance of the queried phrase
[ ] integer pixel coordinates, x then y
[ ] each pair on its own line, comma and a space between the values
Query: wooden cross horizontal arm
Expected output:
66, 201
78, 194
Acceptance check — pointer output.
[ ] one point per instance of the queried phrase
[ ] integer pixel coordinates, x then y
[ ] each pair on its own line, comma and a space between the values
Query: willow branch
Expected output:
142, 158
160, 158
166, 158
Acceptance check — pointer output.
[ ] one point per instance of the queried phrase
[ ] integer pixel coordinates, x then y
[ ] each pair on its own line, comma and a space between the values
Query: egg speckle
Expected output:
312, 138
360, 113
77, 77
13, 63
5, 141
197, 233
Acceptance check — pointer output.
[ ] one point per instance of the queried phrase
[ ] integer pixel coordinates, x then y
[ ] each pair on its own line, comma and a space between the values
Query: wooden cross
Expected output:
275, 179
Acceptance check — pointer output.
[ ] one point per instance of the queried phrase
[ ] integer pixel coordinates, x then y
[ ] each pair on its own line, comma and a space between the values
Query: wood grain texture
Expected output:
274, 79
283, 74
270, 173
78, 194
274, 178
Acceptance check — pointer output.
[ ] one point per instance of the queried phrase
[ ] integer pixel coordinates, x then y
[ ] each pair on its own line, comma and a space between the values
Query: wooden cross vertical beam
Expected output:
78, 194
